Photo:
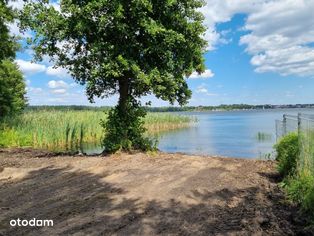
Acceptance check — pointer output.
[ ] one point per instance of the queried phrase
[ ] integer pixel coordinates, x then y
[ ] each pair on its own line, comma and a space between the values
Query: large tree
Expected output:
12, 89
7, 43
129, 47
12, 86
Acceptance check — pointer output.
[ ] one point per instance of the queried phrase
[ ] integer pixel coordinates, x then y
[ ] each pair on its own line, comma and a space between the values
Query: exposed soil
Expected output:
141, 194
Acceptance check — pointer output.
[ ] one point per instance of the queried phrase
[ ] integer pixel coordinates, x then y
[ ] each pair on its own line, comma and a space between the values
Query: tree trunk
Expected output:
124, 93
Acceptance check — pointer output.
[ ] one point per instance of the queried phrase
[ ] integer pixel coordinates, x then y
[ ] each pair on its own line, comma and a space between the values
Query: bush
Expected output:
287, 154
124, 129
300, 189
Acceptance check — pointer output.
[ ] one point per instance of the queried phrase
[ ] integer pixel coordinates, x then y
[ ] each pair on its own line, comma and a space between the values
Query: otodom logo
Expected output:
33, 223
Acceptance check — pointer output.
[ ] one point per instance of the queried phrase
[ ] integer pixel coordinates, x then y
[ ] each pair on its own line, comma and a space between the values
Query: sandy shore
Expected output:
141, 194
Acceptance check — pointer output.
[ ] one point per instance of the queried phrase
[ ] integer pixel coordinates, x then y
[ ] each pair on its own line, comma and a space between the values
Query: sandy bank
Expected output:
138, 194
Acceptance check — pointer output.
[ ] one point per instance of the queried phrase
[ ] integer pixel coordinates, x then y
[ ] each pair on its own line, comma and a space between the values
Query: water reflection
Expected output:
248, 134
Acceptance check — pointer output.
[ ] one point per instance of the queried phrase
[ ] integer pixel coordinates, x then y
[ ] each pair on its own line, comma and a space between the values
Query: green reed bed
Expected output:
159, 122
68, 129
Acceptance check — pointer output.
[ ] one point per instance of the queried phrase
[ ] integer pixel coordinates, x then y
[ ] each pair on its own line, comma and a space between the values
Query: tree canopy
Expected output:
130, 47
8, 45
12, 86
12, 89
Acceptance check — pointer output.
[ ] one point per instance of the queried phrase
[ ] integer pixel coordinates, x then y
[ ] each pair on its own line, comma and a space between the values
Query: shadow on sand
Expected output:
82, 203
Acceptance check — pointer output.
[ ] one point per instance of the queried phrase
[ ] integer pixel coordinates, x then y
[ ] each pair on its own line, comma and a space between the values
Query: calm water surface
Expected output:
227, 133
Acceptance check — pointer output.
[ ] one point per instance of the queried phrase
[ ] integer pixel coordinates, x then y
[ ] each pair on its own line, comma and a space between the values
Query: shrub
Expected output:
300, 189
125, 132
287, 154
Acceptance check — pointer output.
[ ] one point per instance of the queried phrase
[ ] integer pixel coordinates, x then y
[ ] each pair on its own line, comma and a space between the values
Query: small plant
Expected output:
287, 154
300, 189
261, 136
266, 156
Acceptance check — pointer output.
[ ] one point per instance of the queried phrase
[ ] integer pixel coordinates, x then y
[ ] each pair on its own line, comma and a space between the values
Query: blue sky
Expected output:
260, 52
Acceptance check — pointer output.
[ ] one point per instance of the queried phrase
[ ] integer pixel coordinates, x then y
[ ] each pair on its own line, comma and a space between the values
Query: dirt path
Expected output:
167, 194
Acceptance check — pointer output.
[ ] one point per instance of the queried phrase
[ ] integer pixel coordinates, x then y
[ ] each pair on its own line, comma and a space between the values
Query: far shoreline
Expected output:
223, 107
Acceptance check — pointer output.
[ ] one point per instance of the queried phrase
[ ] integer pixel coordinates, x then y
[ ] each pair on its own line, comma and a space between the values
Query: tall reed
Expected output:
70, 129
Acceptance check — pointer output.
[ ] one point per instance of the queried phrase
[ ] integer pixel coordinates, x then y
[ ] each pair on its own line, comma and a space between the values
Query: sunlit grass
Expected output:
68, 130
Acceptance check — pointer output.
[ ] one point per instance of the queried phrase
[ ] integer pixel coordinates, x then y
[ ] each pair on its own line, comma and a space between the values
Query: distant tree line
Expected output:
225, 107
222, 107
66, 108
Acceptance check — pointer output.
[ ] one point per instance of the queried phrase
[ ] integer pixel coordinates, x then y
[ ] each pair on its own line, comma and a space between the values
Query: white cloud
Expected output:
218, 11
207, 74
14, 30
278, 32
58, 87
34, 90
59, 91
202, 89
53, 84
73, 85
59, 72
28, 67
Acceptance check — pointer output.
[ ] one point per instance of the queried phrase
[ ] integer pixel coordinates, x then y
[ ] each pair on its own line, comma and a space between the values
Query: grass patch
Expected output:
69, 129
300, 189
261, 136
298, 181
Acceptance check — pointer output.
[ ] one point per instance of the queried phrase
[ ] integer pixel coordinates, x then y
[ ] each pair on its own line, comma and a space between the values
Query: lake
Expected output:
246, 134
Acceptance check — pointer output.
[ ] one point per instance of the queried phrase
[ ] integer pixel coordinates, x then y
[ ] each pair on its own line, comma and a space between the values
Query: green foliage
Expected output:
54, 130
8, 45
60, 129
97, 42
308, 203
300, 189
133, 48
12, 89
288, 152
298, 181
124, 129
12, 138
